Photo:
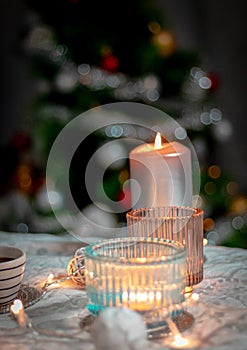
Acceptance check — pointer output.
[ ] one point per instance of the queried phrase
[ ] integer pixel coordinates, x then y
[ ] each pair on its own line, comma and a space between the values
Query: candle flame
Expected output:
157, 142
17, 306
180, 341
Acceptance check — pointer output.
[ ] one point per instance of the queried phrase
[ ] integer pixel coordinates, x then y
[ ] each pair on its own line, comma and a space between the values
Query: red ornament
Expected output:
110, 63
214, 81
21, 141
125, 198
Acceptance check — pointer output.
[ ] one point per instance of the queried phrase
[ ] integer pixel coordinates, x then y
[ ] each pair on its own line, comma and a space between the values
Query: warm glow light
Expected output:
195, 296
132, 297
180, 341
49, 278
16, 307
154, 27
151, 296
205, 242
188, 291
141, 297
157, 142
208, 224
214, 171
125, 296
142, 300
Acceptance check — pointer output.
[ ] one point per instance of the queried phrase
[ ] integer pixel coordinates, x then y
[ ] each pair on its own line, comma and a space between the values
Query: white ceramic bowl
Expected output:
12, 267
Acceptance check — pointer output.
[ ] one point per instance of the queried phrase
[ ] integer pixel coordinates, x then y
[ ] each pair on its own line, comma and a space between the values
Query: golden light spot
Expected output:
208, 224
25, 181
165, 43
106, 50
239, 205
214, 171
24, 178
17, 306
232, 188
195, 296
210, 188
123, 176
154, 27
180, 341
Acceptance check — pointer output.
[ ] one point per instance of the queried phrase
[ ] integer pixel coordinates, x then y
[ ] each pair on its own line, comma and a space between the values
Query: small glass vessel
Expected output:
182, 224
145, 274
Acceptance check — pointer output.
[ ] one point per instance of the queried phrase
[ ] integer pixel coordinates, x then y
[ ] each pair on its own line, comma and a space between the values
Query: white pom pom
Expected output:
119, 328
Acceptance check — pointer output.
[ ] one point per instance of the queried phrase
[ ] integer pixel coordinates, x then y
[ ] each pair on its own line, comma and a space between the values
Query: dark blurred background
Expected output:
209, 35
217, 30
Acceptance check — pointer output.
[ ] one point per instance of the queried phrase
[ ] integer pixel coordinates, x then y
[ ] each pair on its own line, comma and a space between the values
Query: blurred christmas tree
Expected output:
85, 54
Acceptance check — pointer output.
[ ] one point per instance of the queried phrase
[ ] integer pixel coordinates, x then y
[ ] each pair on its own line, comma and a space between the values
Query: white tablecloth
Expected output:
220, 314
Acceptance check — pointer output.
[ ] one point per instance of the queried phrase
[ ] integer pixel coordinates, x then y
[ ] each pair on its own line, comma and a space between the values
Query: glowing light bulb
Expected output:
49, 278
17, 310
195, 296
179, 341
16, 307
157, 142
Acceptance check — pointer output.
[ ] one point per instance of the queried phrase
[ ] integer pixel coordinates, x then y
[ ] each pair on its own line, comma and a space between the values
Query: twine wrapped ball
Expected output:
119, 328
75, 267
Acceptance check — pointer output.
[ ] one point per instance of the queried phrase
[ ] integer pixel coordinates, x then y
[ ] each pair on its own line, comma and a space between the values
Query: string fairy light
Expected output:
74, 270
22, 318
17, 307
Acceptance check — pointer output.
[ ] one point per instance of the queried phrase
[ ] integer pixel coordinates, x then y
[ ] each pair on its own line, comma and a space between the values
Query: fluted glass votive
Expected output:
182, 224
147, 275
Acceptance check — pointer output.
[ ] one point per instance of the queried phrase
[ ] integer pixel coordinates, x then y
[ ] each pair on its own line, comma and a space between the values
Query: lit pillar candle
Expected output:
162, 174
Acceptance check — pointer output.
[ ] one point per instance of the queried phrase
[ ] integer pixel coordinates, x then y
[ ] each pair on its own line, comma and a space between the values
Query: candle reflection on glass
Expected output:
141, 301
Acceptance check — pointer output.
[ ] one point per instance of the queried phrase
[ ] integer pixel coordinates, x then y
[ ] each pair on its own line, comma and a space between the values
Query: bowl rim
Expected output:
180, 251
18, 255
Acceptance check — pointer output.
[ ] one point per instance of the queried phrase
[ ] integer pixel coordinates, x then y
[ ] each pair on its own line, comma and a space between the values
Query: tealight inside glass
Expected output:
147, 275
182, 224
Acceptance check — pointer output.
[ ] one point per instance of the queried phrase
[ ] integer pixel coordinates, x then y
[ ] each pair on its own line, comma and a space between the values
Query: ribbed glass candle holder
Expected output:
147, 275
182, 224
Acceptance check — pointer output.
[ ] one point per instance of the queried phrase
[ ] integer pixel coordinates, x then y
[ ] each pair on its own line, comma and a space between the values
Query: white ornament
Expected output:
66, 80
119, 328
